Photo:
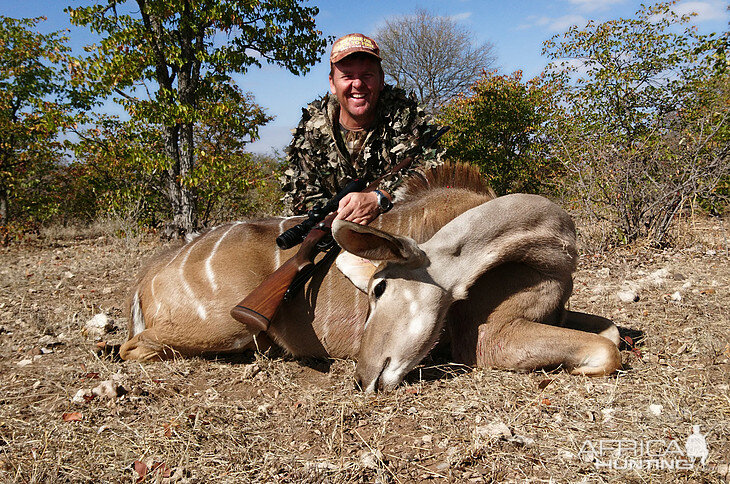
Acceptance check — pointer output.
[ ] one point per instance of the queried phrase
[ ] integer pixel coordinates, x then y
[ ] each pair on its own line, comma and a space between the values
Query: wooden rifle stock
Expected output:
258, 309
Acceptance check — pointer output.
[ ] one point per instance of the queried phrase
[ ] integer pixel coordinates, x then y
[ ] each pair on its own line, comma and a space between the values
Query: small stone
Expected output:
566, 454
427, 439
371, 460
656, 409
521, 440
82, 396
676, 296
494, 430
28, 361
627, 296
263, 410
657, 277
320, 466
49, 341
98, 326
109, 389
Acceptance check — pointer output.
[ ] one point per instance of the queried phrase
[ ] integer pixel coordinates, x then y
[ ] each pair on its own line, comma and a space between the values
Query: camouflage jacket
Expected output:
319, 164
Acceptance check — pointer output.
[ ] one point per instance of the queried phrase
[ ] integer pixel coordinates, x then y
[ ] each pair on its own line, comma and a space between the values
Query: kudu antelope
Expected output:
496, 273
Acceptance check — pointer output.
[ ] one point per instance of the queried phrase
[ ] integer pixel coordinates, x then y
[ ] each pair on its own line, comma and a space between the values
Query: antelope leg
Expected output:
156, 344
526, 345
146, 346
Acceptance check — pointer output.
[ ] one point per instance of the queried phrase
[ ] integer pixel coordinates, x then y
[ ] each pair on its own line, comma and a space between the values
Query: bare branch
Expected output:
433, 56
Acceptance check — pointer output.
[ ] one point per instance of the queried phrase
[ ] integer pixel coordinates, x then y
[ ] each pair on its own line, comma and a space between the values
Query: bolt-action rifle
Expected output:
258, 309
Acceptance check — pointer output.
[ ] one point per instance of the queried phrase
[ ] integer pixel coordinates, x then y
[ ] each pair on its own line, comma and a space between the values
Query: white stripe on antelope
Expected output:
496, 273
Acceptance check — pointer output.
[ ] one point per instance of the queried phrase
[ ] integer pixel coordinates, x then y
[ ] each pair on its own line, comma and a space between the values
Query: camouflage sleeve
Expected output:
303, 181
421, 128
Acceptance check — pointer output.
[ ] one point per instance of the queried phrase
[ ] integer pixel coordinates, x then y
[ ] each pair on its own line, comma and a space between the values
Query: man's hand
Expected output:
361, 208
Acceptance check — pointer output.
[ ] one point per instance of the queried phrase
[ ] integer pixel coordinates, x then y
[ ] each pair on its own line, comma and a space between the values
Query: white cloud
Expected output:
554, 24
461, 16
705, 10
594, 5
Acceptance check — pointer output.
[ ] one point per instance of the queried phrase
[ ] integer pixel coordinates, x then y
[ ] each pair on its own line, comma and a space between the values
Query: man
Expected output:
361, 130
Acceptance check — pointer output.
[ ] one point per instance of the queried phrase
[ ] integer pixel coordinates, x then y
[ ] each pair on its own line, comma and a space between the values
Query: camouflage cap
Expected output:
351, 43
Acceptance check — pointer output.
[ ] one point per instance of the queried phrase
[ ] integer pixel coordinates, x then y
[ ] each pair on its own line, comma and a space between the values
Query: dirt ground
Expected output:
270, 418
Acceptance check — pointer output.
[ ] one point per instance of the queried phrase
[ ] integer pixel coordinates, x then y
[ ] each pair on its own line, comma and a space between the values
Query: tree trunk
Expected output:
188, 210
3, 207
4, 216
179, 150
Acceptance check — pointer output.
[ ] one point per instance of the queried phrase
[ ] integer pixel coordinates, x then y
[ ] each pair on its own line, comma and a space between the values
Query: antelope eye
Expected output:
379, 289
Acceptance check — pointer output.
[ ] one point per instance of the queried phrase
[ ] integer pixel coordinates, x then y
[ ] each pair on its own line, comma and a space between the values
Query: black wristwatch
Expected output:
384, 203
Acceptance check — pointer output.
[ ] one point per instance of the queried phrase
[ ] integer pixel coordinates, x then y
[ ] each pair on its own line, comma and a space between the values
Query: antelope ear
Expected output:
374, 244
356, 269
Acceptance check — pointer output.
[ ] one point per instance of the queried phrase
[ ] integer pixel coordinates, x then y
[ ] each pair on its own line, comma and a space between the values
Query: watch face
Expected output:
383, 202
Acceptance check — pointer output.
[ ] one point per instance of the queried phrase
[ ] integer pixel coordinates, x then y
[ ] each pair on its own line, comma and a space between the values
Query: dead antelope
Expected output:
496, 273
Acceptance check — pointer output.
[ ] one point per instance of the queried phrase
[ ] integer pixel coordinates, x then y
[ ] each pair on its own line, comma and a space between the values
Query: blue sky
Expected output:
517, 28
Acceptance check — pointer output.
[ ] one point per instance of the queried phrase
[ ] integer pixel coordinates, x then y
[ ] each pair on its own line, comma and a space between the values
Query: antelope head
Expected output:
412, 286
407, 306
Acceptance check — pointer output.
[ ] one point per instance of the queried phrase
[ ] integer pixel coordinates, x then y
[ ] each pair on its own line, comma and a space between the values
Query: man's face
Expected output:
357, 82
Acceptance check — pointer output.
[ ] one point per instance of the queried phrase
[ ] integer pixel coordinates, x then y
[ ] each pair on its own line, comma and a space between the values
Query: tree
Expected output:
32, 108
175, 46
496, 126
433, 56
641, 113
115, 173
118, 173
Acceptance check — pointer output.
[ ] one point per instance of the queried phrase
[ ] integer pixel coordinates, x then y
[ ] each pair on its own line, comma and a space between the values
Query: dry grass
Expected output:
268, 418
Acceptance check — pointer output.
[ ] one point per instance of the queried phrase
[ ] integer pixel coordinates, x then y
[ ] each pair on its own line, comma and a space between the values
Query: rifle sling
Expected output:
301, 279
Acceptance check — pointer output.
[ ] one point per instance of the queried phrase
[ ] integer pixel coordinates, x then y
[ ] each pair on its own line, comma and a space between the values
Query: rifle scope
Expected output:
298, 233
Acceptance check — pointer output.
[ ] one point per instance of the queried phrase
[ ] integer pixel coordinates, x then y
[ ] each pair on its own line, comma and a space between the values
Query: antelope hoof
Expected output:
604, 360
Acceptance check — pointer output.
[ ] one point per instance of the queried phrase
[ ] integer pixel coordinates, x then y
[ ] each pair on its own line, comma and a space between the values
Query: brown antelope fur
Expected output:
181, 302
513, 316
498, 276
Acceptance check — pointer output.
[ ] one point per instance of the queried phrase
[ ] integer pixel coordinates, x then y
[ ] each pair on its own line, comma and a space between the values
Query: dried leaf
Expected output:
544, 383
169, 427
72, 416
141, 469
162, 469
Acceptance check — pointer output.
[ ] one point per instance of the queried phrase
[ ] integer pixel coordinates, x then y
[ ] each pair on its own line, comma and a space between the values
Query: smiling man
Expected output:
360, 130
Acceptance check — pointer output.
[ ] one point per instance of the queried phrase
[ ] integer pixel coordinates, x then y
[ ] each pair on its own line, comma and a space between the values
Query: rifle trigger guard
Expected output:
326, 244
